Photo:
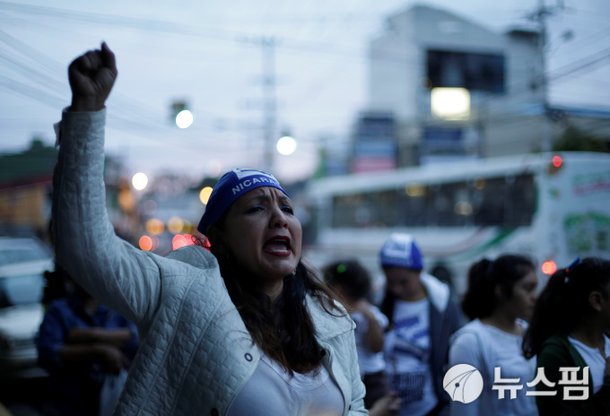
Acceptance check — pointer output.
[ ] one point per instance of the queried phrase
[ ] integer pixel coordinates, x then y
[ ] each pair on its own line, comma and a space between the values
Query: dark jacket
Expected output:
558, 352
443, 323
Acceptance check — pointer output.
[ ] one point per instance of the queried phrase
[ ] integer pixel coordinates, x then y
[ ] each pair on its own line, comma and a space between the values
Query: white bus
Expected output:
551, 207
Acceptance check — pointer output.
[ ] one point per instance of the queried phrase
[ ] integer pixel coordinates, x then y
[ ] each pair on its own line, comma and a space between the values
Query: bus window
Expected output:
505, 201
373, 209
490, 210
451, 205
350, 211
413, 206
442, 204
386, 214
523, 200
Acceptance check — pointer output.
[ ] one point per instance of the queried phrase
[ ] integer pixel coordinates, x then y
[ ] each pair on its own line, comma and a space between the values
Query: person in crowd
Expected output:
499, 300
352, 283
86, 348
54, 285
55, 280
568, 335
422, 316
245, 328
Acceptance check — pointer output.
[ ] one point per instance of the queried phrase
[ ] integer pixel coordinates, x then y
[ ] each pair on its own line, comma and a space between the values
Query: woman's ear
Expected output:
500, 293
596, 300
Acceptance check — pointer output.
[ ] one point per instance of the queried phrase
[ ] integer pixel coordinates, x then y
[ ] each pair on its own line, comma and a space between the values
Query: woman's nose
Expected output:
278, 218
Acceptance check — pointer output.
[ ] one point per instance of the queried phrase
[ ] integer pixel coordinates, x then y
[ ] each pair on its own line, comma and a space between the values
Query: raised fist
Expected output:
91, 77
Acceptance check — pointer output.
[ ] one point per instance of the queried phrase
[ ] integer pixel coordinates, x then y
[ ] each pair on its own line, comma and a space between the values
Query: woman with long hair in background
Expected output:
569, 330
499, 300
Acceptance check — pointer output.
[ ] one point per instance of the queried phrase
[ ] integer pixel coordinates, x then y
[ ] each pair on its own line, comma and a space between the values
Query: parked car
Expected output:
22, 249
23, 262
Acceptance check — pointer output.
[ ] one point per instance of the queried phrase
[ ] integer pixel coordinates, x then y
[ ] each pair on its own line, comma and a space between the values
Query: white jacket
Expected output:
195, 353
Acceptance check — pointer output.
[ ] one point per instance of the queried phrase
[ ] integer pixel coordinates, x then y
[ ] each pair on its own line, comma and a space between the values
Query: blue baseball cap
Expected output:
229, 188
400, 250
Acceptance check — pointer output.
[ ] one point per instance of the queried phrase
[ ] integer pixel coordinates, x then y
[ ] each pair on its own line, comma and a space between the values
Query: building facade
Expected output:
457, 89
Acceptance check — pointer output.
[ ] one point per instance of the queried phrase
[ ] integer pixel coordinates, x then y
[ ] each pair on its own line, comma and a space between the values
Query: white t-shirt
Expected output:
370, 362
486, 347
272, 391
407, 352
594, 359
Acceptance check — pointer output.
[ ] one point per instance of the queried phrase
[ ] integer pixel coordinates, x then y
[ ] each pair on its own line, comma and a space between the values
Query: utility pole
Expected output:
269, 102
539, 16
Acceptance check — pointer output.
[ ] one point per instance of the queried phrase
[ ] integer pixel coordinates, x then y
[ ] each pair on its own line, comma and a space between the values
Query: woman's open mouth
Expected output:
278, 246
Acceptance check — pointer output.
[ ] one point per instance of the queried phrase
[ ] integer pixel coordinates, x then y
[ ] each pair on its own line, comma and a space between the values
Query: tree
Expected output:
575, 139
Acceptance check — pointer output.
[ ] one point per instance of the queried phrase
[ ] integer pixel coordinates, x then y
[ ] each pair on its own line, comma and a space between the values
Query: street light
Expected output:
139, 181
286, 145
181, 113
184, 119
204, 194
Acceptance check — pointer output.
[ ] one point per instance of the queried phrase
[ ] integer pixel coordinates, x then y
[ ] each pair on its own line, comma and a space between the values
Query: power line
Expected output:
587, 63
161, 26
580, 66
129, 109
115, 20
182, 29
26, 90
286, 44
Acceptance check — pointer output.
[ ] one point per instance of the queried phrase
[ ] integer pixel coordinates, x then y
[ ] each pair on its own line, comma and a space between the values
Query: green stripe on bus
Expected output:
496, 239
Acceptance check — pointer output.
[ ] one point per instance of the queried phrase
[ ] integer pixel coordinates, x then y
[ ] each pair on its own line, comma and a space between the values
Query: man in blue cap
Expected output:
422, 316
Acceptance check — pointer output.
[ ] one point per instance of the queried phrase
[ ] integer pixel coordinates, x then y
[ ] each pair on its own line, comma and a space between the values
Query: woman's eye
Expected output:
254, 209
288, 209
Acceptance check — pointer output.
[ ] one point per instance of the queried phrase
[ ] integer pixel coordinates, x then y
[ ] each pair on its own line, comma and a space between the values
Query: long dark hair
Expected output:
564, 301
283, 328
351, 276
485, 275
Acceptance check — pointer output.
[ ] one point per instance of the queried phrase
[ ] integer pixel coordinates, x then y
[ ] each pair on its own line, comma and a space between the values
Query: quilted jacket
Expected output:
195, 352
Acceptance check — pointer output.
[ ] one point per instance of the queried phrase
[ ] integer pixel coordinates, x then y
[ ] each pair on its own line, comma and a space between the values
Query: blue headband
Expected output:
229, 188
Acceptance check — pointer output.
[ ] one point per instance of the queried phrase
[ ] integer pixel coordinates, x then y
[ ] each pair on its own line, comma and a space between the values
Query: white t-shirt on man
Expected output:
407, 349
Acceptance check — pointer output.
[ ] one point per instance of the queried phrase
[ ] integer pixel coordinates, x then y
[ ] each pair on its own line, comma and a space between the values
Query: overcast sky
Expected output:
209, 53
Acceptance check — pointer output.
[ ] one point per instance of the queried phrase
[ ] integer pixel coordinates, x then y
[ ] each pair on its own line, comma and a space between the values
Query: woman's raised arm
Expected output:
109, 268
